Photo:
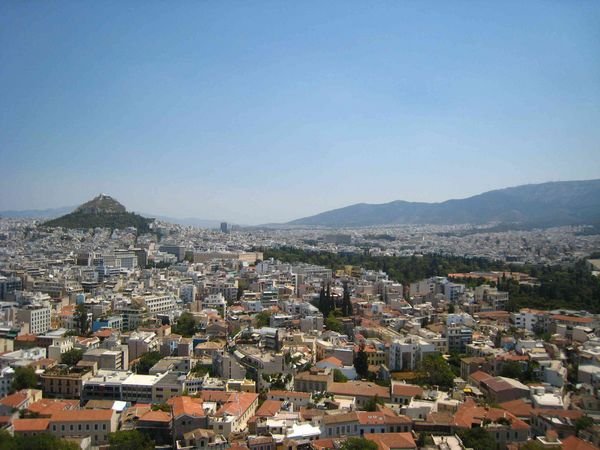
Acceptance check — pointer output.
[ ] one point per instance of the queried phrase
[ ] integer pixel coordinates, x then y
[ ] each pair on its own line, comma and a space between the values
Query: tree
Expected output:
346, 303
333, 323
186, 325
323, 304
532, 445
38, 442
200, 369
477, 439
512, 369
372, 403
71, 357
329, 300
435, 371
263, 319
583, 423
25, 378
129, 440
82, 320
339, 377
451, 308
361, 363
355, 443
146, 362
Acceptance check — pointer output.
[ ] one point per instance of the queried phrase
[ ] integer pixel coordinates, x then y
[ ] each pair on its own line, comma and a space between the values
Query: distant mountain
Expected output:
52, 213
546, 204
104, 212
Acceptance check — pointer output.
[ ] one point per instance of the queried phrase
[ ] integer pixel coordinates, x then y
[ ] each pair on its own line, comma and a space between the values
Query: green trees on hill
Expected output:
103, 220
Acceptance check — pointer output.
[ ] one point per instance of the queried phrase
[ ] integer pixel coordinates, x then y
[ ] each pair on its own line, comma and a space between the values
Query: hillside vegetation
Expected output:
101, 212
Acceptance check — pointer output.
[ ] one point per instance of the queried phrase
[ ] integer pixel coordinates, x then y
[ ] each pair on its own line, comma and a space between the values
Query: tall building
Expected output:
224, 228
173, 249
37, 317
9, 286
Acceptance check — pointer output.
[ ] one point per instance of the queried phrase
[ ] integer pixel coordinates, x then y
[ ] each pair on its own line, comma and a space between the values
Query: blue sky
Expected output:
257, 112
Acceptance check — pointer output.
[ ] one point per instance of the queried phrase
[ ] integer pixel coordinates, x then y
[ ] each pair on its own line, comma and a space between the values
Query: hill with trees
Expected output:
101, 212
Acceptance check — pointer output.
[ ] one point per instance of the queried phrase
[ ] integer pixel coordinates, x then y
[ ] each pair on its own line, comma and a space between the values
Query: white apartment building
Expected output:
36, 317
215, 301
188, 292
159, 304
406, 353
531, 319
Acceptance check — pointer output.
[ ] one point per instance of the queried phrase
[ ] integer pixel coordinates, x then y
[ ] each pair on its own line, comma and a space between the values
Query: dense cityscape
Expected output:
299, 225
189, 338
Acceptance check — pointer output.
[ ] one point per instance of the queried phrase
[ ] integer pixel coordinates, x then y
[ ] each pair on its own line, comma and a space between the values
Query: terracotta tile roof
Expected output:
574, 319
308, 414
25, 425
469, 414
323, 444
105, 333
407, 390
215, 396
519, 408
156, 416
362, 388
269, 408
238, 404
82, 415
386, 441
574, 443
332, 360
380, 418
26, 338
187, 406
479, 376
296, 394
15, 400
330, 419
47, 407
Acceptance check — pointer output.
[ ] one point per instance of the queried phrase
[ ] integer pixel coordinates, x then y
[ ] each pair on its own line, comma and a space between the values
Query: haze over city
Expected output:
270, 111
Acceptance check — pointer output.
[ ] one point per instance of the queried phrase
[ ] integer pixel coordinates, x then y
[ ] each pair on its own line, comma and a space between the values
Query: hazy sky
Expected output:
258, 112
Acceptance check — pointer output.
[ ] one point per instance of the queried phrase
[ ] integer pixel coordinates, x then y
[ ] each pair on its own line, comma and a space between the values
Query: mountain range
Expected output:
546, 204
